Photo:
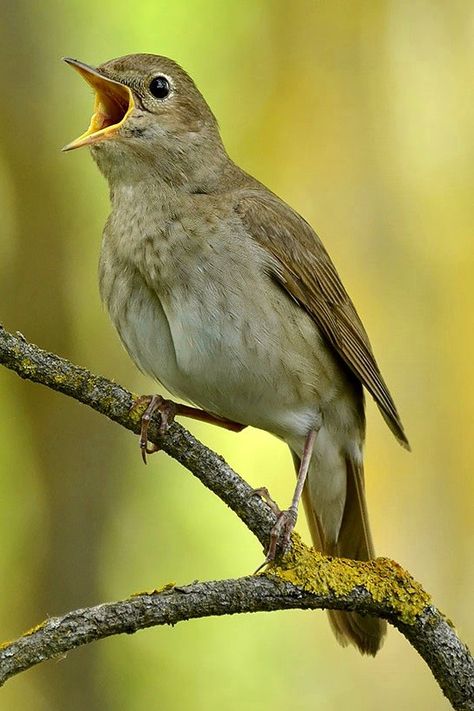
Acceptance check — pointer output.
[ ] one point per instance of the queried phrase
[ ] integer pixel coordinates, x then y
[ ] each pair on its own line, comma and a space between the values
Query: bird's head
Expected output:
149, 118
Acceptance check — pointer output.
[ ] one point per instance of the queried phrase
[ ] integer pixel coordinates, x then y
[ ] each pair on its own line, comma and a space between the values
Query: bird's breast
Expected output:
196, 310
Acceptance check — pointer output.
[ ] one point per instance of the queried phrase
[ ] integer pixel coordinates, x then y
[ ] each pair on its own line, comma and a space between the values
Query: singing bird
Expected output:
226, 296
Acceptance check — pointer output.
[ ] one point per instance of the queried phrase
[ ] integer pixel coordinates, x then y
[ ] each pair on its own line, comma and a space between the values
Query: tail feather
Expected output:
354, 541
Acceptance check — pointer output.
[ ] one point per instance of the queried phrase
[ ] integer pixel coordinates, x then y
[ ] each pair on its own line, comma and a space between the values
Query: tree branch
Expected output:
302, 579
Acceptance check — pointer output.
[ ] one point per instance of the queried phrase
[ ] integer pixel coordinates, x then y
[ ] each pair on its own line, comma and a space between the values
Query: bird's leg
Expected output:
281, 532
203, 416
168, 411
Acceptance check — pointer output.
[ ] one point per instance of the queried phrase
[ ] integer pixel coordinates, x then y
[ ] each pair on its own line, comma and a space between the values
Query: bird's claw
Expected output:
263, 492
280, 536
167, 410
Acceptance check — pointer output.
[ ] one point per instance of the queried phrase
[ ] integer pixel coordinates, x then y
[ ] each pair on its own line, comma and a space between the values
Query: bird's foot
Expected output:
168, 411
155, 403
280, 536
263, 492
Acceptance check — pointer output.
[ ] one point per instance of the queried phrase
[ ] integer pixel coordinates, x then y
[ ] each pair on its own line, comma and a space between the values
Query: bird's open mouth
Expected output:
113, 105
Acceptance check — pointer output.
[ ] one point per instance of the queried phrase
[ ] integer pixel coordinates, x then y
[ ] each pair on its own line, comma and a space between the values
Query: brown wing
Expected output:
304, 269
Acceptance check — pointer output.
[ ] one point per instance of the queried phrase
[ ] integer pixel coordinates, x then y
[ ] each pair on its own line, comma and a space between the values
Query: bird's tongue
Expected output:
113, 104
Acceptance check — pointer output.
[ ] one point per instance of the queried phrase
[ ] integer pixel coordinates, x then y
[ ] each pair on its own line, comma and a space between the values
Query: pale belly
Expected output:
261, 366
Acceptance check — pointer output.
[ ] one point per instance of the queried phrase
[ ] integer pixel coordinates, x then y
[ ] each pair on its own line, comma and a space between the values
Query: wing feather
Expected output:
304, 269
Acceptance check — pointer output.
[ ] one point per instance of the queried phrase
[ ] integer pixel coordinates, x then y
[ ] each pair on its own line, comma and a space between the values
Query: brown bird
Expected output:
227, 297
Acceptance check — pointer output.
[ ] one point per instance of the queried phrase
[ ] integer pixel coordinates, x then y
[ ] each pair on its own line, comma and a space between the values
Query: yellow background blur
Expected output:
359, 115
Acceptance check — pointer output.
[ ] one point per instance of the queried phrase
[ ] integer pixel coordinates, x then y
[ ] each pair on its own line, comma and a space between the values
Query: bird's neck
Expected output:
130, 197
202, 171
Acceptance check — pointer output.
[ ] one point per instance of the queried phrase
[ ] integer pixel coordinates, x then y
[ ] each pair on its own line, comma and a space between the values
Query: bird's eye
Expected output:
160, 87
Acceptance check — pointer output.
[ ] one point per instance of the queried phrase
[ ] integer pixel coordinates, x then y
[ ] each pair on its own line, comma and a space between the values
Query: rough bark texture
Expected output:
302, 579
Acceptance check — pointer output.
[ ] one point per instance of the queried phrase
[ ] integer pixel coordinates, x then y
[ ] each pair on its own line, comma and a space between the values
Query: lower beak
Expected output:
113, 105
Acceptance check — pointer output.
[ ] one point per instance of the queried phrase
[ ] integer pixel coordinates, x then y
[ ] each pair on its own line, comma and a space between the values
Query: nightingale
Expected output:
226, 296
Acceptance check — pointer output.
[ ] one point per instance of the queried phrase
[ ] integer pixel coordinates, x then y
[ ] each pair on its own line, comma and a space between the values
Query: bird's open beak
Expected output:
113, 105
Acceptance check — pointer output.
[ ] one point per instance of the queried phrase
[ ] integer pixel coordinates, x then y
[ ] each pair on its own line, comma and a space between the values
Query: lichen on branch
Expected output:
383, 579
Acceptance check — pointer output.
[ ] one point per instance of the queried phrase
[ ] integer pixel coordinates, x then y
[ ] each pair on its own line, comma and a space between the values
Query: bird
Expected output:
226, 296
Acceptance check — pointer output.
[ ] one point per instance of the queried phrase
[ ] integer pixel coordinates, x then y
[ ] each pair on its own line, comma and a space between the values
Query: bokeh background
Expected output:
359, 115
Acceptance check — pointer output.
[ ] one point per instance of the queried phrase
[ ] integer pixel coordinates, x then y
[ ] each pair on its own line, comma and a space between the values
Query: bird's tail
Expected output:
352, 540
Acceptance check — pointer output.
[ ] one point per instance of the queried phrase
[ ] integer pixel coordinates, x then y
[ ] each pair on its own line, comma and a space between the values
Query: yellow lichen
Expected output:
27, 366
385, 580
137, 410
156, 591
34, 629
60, 378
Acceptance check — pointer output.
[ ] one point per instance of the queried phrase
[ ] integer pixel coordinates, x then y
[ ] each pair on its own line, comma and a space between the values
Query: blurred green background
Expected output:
358, 114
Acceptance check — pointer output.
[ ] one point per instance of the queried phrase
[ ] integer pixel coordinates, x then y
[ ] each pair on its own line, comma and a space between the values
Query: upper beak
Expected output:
113, 105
